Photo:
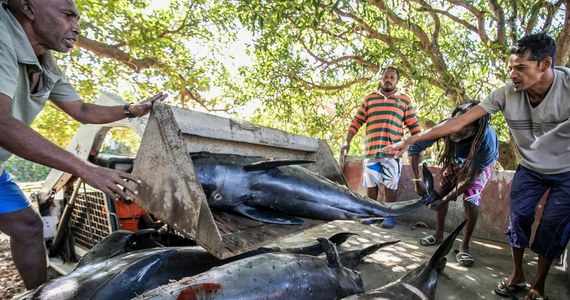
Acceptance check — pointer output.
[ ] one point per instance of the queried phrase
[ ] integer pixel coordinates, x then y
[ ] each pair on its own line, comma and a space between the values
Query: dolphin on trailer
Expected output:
280, 191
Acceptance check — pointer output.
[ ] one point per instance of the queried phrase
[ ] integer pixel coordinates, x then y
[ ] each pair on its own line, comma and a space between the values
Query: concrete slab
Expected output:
492, 261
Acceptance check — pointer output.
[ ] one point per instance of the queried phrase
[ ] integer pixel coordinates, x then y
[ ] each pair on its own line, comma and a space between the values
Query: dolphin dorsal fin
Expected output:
372, 249
445, 246
427, 177
274, 163
333, 259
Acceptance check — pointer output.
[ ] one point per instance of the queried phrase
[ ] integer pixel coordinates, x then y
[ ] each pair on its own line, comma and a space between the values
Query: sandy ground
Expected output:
492, 261
10, 282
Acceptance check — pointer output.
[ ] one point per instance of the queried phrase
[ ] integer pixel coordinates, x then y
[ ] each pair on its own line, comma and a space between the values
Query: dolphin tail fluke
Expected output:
432, 195
445, 247
333, 259
372, 249
316, 249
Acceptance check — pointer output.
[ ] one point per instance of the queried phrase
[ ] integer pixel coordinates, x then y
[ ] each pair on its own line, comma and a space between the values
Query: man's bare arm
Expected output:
87, 113
442, 129
21, 140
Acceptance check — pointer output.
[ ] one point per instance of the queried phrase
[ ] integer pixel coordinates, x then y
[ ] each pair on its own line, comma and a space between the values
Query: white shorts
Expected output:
386, 171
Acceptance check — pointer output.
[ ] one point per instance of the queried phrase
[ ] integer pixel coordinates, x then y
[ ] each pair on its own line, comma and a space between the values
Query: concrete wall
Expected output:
494, 210
493, 213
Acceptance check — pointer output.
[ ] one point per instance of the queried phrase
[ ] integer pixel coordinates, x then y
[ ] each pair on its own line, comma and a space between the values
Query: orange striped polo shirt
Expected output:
385, 119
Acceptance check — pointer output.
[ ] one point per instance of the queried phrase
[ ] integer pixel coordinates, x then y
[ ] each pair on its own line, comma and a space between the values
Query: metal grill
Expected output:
90, 222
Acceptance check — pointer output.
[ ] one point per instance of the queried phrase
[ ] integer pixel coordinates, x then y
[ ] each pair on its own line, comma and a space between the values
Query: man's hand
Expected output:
420, 188
109, 181
143, 108
437, 204
344, 149
400, 146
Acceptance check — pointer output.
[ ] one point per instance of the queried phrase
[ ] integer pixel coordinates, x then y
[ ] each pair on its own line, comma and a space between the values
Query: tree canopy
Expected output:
308, 64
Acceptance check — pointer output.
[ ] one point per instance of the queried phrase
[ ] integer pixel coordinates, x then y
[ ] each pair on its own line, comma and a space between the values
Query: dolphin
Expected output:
278, 191
116, 274
122, 241
419, 283
269, 276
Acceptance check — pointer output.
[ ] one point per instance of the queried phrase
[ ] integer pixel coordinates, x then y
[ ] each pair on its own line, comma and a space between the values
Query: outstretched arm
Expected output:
442, 129
21, 140
459, 189
87, 113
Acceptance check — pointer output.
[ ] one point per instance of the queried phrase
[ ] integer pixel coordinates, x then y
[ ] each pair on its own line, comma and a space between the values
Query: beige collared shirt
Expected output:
18, 66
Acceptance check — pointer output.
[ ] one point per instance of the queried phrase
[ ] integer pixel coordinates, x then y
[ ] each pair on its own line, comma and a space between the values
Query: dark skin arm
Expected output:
459, 189
87, 113
442, 129
21, 140
414, 164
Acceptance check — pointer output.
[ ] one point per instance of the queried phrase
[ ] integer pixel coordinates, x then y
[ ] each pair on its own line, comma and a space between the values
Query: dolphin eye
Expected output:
217, 196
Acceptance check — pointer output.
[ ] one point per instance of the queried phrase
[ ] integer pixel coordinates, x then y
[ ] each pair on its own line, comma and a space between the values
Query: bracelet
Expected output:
416, 179
127, 112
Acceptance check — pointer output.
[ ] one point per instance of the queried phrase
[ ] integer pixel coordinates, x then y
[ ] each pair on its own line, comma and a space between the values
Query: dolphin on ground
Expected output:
420, 283
268, 276
114, 270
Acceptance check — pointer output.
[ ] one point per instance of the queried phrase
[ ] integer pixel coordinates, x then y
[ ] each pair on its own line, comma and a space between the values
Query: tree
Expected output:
447, 51
313, 61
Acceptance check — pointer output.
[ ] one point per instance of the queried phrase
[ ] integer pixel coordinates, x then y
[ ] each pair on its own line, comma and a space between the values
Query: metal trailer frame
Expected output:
170, 189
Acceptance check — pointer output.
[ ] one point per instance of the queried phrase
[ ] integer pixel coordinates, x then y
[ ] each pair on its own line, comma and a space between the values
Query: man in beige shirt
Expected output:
29, 76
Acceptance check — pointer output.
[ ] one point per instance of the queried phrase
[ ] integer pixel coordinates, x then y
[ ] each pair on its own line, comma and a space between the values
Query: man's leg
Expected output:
527, 187
517, 276
390, 195
372, 193
538, 283
471, 213
25, 229
551, 235
446, 184
440, 215
391, 171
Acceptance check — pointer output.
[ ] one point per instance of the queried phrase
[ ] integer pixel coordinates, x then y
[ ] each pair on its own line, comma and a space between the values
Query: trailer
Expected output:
77, 216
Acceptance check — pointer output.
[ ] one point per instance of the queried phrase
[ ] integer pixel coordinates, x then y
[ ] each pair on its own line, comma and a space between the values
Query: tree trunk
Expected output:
508, 155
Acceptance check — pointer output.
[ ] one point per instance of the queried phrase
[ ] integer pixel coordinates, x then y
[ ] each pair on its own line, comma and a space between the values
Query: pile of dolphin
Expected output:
277, 191
114, 269
272, 191
267, 273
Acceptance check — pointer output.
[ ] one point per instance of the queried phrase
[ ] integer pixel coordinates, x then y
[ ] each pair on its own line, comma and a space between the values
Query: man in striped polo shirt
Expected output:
385, 113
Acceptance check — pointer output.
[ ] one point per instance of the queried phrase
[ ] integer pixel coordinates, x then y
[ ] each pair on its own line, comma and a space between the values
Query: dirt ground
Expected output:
10, 282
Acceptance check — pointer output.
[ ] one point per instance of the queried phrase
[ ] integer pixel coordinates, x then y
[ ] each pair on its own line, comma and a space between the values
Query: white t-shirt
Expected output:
542, 133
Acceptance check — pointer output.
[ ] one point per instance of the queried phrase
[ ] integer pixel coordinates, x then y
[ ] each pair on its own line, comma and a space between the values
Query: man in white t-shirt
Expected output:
536, 107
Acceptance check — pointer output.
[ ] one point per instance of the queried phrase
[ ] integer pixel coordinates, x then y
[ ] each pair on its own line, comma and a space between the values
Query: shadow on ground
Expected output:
492, 261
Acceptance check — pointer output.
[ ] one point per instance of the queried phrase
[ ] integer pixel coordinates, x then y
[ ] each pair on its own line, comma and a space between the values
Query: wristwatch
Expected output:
127, 112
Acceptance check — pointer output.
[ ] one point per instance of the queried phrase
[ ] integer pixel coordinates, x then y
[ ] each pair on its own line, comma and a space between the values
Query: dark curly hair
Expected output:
539, 46
447, 155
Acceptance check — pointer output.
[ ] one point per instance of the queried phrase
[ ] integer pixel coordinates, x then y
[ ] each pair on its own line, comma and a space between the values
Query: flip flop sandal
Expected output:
505, 290
533, 297
464, 259
429, 241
